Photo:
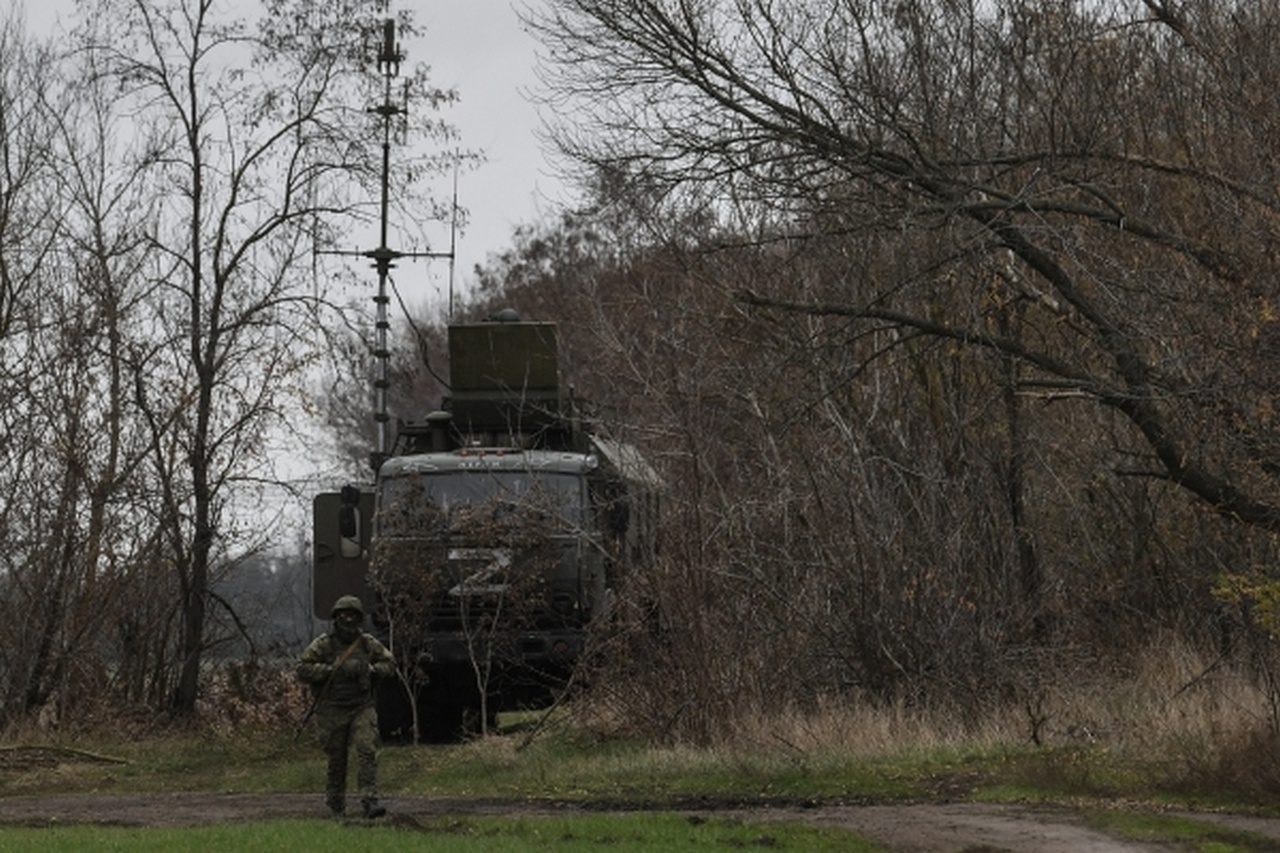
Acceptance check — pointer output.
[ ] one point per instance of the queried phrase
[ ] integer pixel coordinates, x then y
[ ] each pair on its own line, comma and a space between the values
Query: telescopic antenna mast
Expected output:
384, 257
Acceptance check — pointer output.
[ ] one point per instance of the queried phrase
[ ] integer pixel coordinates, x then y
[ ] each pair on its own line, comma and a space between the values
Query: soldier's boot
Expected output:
372, 809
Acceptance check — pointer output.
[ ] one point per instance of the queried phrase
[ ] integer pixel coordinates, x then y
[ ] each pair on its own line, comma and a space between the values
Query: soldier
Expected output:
341, 666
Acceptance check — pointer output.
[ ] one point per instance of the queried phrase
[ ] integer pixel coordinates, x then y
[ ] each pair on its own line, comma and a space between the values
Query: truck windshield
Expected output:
414, 504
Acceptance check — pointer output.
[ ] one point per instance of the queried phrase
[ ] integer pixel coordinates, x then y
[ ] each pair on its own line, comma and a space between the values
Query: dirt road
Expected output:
931, 828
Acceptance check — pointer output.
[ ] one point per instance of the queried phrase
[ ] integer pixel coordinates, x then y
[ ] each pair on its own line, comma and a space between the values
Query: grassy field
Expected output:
569, 766
1126, 759
1101, 783
661, 833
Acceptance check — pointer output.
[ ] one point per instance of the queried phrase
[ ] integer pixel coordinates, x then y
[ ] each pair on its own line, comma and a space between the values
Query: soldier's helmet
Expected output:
347, 602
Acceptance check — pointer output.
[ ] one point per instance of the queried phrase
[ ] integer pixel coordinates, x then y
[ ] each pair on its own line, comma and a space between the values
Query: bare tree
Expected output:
40, 489
1118, 155
252, 138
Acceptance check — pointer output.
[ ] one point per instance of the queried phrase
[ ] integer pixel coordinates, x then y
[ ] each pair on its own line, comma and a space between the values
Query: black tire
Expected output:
449, 706
395, 713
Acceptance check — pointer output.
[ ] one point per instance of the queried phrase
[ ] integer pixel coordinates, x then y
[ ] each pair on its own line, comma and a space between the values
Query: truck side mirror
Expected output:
349, 524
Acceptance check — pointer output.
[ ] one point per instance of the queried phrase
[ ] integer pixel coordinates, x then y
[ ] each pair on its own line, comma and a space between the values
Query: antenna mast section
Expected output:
389, 58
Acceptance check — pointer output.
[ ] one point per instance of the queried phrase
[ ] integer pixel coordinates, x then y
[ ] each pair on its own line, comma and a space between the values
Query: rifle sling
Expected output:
337, 666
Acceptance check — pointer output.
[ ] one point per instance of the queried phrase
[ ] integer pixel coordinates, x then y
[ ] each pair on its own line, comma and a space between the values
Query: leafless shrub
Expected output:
236, 696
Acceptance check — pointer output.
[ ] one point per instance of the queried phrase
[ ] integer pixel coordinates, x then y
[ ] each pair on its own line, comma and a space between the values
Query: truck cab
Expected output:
492, 536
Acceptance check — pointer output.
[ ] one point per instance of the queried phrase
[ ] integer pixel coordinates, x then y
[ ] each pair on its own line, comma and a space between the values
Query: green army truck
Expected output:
492, 537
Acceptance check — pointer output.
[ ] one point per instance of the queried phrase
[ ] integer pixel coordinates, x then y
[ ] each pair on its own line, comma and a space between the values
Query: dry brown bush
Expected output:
1245, 762
241, 695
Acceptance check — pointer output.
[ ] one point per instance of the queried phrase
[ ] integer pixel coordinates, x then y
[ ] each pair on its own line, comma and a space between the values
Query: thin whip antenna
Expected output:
453, 234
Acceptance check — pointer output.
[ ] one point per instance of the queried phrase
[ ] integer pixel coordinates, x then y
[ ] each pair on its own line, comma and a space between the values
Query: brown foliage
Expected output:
948, 330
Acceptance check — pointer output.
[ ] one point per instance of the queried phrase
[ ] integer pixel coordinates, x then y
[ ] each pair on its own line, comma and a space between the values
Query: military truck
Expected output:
492, 537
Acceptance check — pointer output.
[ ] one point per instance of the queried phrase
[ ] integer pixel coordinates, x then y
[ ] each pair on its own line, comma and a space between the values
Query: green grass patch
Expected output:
1059, 774
660, 832
556, 768
1195, 836
631, 772
251, 763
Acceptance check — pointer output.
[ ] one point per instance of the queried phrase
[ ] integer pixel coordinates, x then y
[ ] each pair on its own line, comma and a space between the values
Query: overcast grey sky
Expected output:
479, 48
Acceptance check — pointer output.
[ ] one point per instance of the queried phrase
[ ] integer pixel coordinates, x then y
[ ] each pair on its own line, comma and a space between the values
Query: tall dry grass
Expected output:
1192, 719
1166, 696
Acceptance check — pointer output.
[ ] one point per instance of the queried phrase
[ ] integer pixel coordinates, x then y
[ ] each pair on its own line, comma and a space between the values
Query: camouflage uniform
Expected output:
340, 667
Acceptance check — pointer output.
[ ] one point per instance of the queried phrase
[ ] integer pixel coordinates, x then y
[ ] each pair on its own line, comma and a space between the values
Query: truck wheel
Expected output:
395, 713
449, 707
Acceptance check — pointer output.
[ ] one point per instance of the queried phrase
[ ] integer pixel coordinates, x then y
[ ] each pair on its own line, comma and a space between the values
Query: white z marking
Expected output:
495, 562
